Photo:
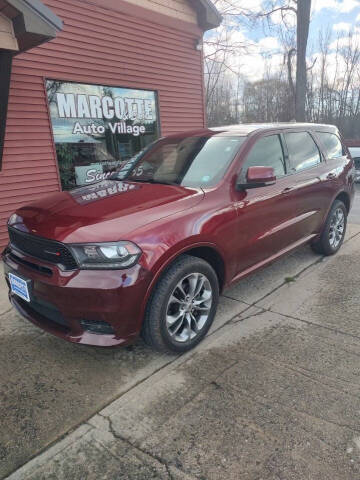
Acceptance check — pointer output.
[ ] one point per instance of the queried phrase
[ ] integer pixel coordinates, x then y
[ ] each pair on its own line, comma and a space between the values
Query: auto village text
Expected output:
93, 107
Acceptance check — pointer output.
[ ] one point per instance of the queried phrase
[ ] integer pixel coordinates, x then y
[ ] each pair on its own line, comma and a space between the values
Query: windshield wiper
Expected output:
150, 180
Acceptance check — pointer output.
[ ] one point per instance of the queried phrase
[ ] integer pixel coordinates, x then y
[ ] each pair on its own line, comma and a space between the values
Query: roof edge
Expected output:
34, 24
40, 10
208, 15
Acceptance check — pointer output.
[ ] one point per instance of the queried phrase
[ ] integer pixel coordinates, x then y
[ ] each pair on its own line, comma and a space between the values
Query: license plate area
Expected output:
20, 287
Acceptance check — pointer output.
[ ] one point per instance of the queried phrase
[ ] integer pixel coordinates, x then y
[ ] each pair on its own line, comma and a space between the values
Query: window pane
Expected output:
191, 161
303, 151
332, 144
355, 151
98, 128
267, 152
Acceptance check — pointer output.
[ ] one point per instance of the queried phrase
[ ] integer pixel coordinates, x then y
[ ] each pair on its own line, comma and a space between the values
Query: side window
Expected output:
303, 151
332, 144
267, 152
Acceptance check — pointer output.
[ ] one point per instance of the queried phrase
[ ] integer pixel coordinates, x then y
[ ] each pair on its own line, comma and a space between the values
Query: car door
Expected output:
337, 161
307, 168
266, 221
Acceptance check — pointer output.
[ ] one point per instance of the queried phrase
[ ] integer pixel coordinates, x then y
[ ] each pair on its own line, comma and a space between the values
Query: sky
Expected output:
265, 52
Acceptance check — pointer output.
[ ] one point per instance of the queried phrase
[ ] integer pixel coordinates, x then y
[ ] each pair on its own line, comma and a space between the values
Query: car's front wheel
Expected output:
334, 230
182, 307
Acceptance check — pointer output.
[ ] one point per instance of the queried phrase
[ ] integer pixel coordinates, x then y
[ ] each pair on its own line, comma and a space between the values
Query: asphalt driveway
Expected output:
272, 393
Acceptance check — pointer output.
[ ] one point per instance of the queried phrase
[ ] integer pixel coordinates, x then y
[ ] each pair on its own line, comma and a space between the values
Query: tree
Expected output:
303, 23
290, 20
301, 10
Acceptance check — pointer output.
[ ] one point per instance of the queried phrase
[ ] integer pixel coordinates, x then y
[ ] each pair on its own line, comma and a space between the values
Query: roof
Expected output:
208, 15
352, 142
249, 128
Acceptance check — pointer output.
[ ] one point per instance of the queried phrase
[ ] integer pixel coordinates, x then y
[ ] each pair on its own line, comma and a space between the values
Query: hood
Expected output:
103, 212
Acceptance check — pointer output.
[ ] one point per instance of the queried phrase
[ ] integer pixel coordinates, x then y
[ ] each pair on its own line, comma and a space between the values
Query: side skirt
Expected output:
271, 259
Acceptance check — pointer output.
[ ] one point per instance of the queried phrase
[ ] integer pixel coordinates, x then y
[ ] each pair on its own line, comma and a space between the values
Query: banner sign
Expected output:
82, 112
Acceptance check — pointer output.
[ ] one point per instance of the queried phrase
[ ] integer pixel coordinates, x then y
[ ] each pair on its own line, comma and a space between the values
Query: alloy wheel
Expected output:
188, 308
337, 228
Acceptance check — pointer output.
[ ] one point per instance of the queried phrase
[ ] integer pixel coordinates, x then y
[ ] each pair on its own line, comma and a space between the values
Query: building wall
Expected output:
126, 47
174, 8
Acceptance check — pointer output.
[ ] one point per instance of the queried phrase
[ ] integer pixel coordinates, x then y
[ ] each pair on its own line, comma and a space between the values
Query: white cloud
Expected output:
336, 70
253, 60
344, 42
343, 6
235, 6
255, 66
260, 57
342, 27
268, 43
287, 17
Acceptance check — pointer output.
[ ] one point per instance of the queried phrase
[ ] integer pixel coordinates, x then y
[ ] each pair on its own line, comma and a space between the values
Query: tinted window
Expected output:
267, 152
332, 144
191, 161
355, 152
303, 151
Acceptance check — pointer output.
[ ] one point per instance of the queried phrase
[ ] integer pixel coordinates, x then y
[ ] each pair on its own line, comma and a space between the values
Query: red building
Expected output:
88, 83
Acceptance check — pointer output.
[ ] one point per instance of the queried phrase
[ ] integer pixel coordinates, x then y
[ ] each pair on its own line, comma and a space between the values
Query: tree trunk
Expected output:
291, 83
303, 23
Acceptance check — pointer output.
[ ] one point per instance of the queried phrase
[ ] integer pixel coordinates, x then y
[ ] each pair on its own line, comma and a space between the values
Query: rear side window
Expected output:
332, 144
303, 151
267, 152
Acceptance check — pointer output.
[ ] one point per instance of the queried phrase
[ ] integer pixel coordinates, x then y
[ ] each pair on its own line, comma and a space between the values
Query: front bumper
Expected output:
63, 301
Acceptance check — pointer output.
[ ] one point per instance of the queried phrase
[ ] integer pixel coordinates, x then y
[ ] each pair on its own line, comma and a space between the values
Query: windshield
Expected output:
190, 162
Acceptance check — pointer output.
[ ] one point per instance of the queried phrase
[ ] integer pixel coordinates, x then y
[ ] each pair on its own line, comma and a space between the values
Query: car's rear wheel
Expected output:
182, 306
334, 230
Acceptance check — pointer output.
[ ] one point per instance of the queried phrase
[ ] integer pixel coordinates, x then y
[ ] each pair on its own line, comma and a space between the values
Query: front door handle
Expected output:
331, 176
287, 190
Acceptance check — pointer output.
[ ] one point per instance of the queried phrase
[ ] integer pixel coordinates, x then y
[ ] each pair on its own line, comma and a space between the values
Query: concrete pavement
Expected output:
354, 216
271, 393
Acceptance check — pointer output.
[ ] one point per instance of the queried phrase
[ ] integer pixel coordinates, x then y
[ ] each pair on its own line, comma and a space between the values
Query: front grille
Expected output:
97, 327
33, 266
43, 249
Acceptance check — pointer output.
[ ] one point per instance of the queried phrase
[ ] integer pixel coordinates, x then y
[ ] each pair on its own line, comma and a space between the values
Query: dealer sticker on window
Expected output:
19, 286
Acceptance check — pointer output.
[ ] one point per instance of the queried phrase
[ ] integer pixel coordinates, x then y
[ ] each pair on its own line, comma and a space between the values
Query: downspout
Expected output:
5, 74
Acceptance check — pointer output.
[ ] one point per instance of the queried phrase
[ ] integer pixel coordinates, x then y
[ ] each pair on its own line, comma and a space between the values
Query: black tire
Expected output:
324, 245
155, 330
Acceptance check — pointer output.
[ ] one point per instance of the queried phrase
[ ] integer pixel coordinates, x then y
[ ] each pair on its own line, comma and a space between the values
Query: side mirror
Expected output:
257, 177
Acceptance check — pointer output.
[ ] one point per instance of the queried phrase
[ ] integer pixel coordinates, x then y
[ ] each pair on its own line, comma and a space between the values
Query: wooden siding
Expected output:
100, 46
180, 9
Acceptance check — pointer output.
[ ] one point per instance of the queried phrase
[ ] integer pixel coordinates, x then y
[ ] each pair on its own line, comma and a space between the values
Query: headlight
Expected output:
93, 256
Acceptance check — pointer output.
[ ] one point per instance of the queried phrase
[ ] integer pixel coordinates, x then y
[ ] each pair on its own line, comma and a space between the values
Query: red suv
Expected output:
149, 249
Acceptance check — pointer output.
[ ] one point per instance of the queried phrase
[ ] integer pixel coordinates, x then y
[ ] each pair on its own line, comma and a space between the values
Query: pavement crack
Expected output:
275, 404
294, 277
315, 324
85, 420
350, 238
311, 375
139, 449
236, 299
6, 311
242, 319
